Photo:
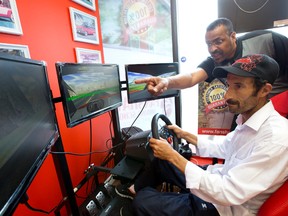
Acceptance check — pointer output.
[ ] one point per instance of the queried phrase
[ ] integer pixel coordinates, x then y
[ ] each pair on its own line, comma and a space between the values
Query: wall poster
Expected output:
139, 24
84, 26
9, 18
15, 49
88, 55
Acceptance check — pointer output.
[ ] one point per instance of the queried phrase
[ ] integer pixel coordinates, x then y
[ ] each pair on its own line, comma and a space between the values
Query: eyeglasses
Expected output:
216, 42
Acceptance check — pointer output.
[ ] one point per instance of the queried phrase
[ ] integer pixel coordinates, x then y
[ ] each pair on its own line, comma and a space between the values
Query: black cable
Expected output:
24, 200
90, 142
90, 150
85, 154
126, 136
80, 197
110, 124
37, 210
108, 150
106, 143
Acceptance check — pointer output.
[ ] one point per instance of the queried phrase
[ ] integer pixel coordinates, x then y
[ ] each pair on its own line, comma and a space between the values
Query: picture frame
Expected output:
9, 18
88, 55
87, 3
15, 49
84, 26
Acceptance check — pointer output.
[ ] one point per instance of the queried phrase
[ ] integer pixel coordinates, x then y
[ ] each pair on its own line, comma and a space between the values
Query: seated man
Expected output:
255, 153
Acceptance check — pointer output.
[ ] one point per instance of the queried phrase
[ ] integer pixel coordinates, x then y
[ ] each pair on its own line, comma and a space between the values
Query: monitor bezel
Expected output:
72, 123
172, 93
9, 207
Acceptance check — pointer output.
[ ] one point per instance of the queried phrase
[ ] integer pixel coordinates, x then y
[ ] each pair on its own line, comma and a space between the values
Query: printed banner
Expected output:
213, 115
138, 24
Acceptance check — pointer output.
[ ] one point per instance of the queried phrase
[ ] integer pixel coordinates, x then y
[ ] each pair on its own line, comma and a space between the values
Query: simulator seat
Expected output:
280, 103
277, 203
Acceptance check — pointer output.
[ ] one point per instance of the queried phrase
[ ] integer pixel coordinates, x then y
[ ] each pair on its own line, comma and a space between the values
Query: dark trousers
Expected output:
149, 201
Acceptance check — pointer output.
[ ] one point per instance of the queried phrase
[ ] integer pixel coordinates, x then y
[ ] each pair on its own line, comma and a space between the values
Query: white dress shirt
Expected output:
256, 164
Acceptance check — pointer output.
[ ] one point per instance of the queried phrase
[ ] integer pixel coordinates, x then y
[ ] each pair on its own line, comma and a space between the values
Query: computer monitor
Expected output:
138, 92
88, 90
28, 126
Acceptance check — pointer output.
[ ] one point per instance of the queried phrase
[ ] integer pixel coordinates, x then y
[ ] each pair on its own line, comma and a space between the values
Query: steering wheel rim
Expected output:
155, 129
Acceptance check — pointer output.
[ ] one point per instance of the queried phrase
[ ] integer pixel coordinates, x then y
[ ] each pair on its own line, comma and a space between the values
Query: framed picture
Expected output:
88, 56
15, 49
87, 3
84, 26
9, 18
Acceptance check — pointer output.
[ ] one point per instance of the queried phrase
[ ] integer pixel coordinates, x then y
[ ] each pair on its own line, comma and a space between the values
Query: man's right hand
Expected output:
155, 85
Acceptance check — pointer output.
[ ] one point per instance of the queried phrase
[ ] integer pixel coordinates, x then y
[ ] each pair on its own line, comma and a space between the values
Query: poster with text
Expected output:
213, 115
139, 24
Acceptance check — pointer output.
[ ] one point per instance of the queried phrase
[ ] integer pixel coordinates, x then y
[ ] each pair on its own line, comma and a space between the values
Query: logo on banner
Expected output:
213, 97
138, 16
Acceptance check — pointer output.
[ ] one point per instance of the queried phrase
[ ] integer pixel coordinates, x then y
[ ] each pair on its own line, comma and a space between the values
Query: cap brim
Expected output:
221, 72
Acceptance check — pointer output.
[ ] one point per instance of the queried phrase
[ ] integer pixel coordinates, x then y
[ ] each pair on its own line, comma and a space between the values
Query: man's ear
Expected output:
233, 35
266, 89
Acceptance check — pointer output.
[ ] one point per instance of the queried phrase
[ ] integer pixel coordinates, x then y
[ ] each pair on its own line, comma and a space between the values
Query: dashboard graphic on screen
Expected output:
138, 92
88, 90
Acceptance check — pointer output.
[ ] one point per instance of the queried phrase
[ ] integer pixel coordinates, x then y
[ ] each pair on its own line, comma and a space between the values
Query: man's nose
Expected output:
228, 94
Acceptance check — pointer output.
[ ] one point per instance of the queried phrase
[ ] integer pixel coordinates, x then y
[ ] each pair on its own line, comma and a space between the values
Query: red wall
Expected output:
47, 32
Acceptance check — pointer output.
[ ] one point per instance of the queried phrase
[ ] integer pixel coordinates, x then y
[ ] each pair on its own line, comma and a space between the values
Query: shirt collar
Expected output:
238, 52
258, 118
237, 55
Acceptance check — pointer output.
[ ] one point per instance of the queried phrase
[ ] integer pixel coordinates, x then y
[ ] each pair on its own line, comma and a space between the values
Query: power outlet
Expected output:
92, 208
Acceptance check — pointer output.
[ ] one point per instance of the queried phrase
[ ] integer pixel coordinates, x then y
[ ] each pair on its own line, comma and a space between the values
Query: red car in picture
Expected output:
85, 29
6, 14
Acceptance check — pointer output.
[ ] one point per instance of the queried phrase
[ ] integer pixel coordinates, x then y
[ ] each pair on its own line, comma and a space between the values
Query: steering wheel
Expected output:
163, 132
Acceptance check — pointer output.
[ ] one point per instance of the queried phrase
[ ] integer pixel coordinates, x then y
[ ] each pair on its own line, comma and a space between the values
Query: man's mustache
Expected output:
232, 102
216, 52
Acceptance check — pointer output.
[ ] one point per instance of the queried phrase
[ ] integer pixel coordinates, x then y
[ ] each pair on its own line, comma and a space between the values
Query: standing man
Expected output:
255, 153
224, 49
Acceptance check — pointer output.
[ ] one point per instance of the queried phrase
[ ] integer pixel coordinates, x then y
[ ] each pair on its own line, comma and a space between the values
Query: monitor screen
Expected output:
28, 126
88, 90
138, 92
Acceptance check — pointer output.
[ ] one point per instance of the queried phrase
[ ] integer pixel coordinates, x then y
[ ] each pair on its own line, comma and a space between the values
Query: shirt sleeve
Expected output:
208, 65
212, 147
243, 181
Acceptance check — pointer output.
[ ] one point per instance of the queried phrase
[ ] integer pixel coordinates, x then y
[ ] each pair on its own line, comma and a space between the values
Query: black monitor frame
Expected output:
137, 92
108, 101
22, 77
